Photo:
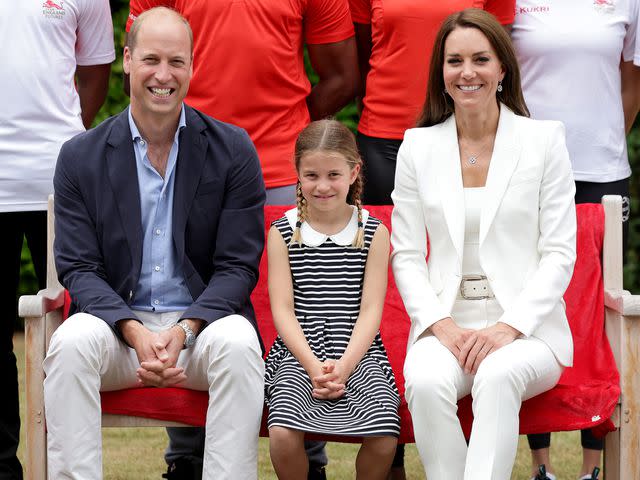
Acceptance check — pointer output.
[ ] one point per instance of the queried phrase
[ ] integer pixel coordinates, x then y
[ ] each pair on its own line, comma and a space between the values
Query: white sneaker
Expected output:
551, 476
592, 476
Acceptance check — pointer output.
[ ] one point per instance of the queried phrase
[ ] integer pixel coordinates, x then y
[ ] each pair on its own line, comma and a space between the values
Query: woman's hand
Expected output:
451, 335
484, 341
330, 383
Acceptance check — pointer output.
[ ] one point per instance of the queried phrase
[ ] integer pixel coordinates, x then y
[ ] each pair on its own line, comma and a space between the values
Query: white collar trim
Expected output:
313, 238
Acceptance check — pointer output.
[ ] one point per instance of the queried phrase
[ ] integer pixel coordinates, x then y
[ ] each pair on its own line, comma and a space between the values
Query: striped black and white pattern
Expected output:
327, 286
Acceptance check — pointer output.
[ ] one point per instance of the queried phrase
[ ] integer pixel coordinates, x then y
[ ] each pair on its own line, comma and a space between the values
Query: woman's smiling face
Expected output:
471, 70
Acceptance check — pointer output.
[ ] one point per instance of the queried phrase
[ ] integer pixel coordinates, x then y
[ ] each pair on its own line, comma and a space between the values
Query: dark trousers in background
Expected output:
590, 192
14, 227
188, 443
379, 158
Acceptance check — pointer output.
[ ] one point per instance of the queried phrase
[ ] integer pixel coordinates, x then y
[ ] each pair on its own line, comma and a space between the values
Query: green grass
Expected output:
137, 453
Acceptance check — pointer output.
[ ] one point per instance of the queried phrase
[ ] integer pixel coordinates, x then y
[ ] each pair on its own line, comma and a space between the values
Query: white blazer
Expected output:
527, 227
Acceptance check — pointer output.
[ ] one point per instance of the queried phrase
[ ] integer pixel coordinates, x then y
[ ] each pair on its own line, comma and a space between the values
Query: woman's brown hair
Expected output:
438, 105
330, 136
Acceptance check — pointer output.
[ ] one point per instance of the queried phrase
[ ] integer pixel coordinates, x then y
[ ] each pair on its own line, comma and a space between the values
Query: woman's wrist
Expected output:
442, 325
511, 330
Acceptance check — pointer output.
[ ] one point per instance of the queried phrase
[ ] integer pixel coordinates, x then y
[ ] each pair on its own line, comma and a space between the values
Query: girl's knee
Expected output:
285, 438
383, 447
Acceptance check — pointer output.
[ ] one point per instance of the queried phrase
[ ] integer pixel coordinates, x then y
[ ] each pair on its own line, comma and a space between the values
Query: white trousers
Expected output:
434, 382
85, 357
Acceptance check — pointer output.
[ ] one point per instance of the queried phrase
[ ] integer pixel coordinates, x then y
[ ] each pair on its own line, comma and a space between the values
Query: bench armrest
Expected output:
39, 305
622, 302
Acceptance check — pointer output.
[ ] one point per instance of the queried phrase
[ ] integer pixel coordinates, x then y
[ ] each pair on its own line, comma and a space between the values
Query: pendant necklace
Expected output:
472, 159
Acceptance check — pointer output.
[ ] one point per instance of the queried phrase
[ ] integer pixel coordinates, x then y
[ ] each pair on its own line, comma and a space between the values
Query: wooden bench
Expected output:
586, 396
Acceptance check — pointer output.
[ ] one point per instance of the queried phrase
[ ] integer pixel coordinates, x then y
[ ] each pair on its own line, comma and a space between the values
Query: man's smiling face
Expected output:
159, 66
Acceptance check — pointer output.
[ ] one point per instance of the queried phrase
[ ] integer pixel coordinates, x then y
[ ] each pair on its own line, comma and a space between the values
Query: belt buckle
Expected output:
472, 278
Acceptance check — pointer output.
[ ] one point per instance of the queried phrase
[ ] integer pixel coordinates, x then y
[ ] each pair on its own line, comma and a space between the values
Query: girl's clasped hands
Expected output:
329, 380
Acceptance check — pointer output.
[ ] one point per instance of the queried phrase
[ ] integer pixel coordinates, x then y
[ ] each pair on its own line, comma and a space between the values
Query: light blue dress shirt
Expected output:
161, 287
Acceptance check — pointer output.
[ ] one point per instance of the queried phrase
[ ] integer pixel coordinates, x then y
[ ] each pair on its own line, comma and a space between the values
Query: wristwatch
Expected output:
190, 336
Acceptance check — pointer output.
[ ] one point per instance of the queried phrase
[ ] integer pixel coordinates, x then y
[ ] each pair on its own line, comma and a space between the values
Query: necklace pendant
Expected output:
472, 160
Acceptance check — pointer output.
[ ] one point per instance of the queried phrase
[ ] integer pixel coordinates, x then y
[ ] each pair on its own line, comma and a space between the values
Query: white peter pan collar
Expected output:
313, 238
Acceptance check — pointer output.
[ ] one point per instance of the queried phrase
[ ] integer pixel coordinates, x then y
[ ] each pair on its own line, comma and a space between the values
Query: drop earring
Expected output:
499, 86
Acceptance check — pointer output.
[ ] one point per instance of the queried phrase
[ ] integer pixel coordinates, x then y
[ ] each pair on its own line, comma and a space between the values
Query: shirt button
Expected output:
158, 231
142, 142
156, 302
157, 268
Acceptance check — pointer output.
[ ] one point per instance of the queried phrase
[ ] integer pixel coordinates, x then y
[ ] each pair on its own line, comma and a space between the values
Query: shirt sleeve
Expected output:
94, 43
503, 10
136, 7
327, 21
360, 11
630, 46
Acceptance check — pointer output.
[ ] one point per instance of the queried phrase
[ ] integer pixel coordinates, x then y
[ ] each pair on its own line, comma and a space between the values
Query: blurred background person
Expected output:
577, 66
56, 62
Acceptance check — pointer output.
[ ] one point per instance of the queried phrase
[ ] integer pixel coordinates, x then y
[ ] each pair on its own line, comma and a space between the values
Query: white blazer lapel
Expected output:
447, 154
506, 153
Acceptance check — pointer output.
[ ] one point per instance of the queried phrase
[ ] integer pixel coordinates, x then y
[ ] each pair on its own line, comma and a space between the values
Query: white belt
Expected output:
475, 287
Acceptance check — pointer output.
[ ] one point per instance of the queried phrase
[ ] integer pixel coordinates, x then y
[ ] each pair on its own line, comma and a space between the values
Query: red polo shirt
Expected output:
402, 34
249, 69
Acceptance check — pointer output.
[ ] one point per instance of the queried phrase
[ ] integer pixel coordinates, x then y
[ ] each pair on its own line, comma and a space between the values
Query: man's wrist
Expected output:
188, 333
129, 329
182, 335
194, 324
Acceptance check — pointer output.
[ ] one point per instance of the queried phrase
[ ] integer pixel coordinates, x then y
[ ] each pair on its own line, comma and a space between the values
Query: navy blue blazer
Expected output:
218, 219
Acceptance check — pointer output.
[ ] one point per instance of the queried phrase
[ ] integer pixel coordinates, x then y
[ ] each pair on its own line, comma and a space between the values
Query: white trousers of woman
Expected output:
85, 357
434, 383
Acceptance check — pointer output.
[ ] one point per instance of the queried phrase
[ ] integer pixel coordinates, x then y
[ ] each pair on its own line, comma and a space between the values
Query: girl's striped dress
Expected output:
328, 275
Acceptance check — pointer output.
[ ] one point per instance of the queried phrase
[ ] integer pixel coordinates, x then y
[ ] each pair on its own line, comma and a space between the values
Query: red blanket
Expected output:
585, 396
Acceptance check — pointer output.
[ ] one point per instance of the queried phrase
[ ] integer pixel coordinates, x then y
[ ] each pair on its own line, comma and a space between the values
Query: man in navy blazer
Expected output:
159, 233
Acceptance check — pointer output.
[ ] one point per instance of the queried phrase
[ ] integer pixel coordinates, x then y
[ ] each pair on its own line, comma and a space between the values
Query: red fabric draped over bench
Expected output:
585, 396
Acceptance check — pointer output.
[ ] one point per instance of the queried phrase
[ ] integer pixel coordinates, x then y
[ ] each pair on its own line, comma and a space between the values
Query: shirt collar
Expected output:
135, 133
313, 238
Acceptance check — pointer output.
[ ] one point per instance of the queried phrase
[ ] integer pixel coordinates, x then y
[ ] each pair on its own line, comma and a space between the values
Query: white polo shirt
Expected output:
569, 53
42, 43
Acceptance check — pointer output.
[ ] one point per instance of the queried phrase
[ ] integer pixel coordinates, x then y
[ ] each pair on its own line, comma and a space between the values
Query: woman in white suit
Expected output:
493, 191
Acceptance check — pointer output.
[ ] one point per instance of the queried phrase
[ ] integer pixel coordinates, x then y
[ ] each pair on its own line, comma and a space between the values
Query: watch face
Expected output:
190, 337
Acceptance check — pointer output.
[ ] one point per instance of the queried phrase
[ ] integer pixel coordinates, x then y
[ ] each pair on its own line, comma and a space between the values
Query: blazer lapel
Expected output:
505, 157
447, 154
191, 158
123, 175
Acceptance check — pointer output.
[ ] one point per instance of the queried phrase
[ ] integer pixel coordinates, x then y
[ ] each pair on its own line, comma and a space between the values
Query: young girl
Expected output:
328, 371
